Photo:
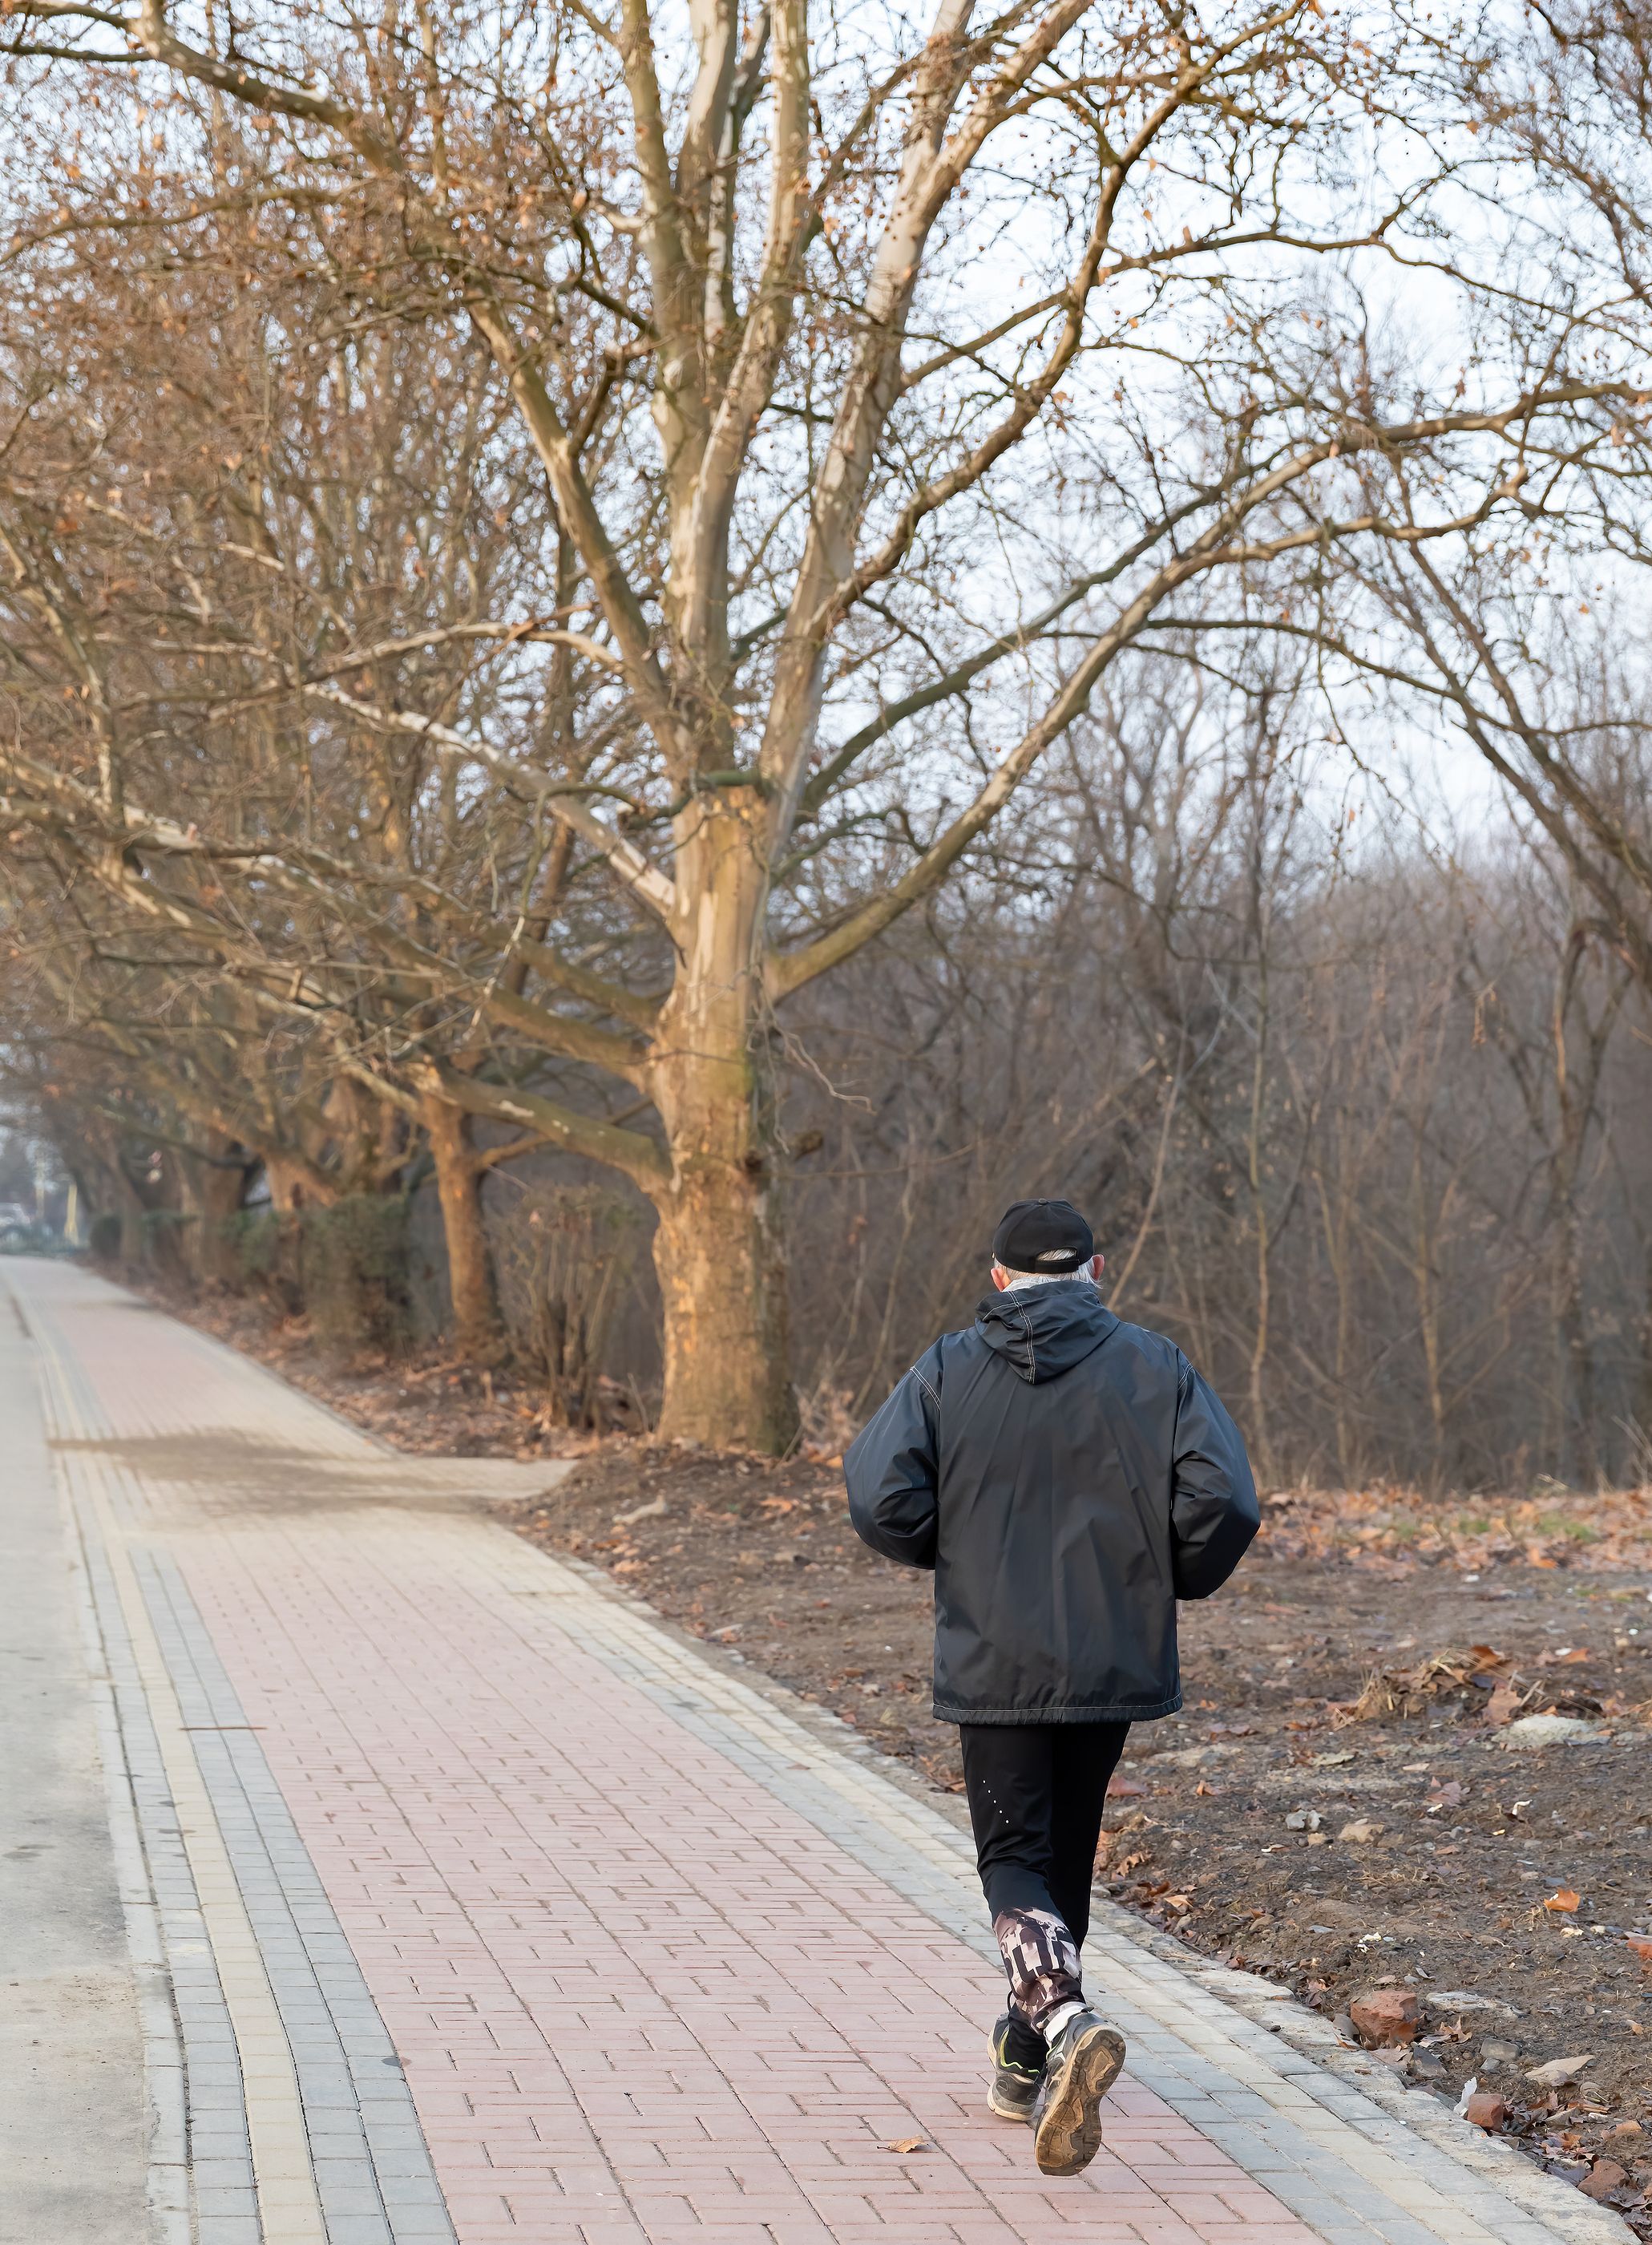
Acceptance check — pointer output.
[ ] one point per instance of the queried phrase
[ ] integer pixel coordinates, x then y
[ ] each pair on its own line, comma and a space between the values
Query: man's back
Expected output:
1068, 1476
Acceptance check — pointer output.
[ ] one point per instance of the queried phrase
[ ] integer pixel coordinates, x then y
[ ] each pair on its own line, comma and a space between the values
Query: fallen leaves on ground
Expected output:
1390, 1526
1391, 1693
1561, 2072
1506, 1702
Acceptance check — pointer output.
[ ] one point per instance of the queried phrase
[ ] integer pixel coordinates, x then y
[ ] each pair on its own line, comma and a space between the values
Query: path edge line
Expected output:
289, 2203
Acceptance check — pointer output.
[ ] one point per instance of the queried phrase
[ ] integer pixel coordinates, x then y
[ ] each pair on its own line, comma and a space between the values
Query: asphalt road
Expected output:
72, 2118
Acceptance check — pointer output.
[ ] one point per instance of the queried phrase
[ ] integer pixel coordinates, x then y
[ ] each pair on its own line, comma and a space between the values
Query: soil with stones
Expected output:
1348, 1803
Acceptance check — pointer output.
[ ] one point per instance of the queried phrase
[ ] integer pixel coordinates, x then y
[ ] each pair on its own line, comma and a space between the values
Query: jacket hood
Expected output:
1042, 1331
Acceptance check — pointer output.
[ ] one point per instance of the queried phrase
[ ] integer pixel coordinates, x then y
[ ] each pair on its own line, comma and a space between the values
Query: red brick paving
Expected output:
636, 1996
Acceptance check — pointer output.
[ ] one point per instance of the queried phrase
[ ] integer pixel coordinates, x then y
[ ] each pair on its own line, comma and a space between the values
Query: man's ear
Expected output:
1000, 1277
1098, 1264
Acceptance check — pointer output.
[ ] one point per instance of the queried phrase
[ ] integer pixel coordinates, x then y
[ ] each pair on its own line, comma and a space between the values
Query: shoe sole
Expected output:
1070, 2126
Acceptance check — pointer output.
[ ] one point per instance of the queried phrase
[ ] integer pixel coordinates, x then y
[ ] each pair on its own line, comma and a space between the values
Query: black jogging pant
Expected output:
1036, 1792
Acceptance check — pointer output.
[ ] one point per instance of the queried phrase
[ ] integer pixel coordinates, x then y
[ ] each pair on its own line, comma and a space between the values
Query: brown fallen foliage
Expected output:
1487, 1685
1400, 1692
1396, 1528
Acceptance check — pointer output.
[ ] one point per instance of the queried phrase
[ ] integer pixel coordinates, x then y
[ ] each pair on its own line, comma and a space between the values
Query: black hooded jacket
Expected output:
1068, 1477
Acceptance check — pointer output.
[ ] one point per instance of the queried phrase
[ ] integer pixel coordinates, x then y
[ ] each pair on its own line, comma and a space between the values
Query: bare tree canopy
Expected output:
533, 535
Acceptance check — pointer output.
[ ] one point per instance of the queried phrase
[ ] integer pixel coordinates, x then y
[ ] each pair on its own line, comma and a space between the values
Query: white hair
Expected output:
1082, 1276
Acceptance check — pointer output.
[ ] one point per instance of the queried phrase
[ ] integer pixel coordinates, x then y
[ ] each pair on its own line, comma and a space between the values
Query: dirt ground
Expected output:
1346, 1803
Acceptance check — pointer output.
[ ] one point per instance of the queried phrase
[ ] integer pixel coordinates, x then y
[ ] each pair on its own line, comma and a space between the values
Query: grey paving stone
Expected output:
220, 2199
217, 2139
364, 2229
215, 2098
360, 2111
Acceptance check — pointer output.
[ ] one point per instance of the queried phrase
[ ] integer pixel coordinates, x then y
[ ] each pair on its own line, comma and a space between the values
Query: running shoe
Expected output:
1015, 2086
1082, 2066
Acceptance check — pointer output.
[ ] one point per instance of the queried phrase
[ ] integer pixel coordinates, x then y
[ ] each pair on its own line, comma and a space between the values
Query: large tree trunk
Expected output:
210, 1186
722, 1267
719, 1251
120, 1198
471, 1287
286, 1186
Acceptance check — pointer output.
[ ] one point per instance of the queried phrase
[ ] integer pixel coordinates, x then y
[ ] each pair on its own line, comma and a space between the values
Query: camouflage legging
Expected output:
1041, 1958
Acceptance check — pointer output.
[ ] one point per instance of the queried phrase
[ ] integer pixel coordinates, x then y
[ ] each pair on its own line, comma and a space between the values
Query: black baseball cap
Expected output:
1042, 1236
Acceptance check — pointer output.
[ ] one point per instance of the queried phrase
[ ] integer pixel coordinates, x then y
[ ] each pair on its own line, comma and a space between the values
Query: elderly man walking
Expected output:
1068, 1477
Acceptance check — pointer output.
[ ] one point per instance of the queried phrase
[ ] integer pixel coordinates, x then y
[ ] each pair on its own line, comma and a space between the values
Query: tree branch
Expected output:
654, 888
1215, 548
954, 681
627, 1150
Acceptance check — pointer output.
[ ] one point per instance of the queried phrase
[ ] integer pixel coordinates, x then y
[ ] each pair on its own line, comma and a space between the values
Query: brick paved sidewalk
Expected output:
494, 1912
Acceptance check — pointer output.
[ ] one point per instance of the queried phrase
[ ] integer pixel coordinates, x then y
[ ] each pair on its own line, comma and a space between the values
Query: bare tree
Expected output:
848, 525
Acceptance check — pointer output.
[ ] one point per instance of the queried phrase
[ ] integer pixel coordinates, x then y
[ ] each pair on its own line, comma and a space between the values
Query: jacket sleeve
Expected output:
890, 1469
1213, 1513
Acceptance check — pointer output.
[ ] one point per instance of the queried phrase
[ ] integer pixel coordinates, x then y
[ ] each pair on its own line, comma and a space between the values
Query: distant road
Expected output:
72, 2148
